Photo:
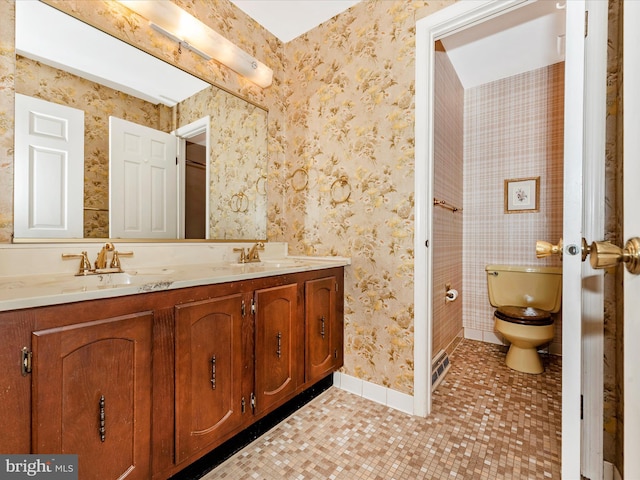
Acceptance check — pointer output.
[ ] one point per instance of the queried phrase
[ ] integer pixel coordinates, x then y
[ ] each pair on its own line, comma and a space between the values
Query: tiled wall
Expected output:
513, 129
447, 224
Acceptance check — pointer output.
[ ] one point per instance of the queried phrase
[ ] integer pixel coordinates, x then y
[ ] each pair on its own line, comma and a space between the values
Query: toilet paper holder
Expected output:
451, 294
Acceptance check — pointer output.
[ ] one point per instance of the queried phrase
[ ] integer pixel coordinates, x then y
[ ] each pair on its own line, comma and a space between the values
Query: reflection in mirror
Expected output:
232, 175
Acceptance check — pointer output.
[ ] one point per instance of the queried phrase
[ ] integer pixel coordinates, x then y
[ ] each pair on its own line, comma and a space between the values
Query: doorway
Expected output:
195, 199
194, 154
577, 102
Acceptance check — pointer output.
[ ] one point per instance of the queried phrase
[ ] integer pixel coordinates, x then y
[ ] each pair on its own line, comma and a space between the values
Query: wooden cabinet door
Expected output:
92, 395
275, 342
209, 372
320, 328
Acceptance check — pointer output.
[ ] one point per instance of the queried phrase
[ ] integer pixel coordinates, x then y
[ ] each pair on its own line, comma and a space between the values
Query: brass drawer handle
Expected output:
102, 429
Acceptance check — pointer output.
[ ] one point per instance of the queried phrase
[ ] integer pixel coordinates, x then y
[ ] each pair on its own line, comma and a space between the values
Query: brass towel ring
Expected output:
261, 185
239, 203
336, 195
299, 179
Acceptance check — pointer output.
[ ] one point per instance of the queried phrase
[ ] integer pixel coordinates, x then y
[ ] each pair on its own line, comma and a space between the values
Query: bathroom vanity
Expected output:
148, 377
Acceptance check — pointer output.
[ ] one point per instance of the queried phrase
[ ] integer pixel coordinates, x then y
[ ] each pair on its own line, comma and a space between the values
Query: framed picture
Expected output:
522, 195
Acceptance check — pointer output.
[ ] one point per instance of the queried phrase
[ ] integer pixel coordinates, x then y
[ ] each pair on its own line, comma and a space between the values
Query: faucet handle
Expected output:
115, 261
85, 264
243, 255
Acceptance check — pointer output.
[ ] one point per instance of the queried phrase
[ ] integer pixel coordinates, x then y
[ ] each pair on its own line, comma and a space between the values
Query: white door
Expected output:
142, 182
583, 206
49, 170
631, 228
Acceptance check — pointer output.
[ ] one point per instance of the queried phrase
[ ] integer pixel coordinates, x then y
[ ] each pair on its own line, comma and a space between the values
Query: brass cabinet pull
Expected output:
279, 348
102, 429
322, 322
213, 372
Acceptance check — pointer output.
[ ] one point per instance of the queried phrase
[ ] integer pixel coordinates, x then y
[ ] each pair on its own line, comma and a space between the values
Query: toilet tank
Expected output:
538, 287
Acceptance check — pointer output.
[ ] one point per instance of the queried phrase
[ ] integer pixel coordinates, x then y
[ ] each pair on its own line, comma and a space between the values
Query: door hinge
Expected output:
581, 407
586, 23
243, 309
253, 306
26, 361
335, 353
243, 405
336, 284
253, 403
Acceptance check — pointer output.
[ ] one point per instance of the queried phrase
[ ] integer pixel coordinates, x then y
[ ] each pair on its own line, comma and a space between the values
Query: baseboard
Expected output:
371, 391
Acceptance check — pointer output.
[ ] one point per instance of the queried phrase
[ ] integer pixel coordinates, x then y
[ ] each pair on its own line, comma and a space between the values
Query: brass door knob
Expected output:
606, 255
546, 249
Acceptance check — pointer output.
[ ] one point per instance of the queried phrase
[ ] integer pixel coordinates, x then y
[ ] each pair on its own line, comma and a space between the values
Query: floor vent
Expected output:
439, 368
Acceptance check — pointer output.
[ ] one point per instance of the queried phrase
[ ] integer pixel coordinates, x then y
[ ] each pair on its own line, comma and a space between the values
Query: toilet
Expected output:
525, 299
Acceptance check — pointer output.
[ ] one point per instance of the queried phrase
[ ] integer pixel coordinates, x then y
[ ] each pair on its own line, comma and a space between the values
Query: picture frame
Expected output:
522, 195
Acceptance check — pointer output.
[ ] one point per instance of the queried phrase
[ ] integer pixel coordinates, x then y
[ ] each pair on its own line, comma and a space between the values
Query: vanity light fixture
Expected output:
169, 19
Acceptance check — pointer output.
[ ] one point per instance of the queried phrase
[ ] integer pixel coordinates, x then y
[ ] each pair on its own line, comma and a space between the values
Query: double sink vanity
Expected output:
143, 370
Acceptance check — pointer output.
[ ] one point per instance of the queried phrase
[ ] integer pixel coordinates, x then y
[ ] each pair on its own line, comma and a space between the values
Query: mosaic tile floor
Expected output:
488, 422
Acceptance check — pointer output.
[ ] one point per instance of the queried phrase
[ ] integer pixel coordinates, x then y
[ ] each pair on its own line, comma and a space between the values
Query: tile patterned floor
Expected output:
488, 422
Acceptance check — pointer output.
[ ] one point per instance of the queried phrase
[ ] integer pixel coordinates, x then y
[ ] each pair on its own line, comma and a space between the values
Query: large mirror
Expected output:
219, 184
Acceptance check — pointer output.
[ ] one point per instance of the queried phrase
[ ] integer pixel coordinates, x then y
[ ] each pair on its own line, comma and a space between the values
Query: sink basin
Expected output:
151, 271
282, 263
148, 281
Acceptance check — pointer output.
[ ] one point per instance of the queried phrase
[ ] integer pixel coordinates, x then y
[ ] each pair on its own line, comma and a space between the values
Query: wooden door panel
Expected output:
276, 314
92, 395
208, 372
320, 318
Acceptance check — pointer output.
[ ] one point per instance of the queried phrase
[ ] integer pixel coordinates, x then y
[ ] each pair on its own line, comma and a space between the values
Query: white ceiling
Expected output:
288, 19
522, 40
525, 39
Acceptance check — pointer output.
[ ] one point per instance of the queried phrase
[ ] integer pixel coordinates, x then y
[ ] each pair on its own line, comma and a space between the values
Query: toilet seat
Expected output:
524, 315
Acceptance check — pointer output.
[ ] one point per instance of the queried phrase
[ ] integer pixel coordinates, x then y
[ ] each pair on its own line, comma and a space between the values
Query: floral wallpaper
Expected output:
238, 163
350, 99
7, 75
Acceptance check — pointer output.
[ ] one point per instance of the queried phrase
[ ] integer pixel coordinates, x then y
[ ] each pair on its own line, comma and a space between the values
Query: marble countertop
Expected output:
17, 292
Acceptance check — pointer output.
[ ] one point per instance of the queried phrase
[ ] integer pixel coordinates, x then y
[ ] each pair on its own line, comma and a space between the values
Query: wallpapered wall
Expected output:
350, 103
513, 129
448, 180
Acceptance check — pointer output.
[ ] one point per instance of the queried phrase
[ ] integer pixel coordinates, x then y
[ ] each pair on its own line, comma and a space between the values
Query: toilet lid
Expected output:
524, 315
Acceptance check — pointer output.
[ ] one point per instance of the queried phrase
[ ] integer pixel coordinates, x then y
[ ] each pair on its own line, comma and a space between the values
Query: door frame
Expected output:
202, 125
455, 17
631, 227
